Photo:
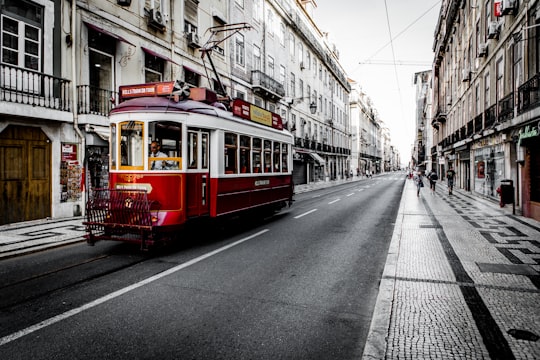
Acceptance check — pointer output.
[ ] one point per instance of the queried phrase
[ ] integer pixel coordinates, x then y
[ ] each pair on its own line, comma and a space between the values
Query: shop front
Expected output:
488, 166
529, 159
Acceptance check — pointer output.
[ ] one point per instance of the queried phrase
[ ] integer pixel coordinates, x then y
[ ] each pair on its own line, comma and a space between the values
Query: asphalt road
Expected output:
300, 285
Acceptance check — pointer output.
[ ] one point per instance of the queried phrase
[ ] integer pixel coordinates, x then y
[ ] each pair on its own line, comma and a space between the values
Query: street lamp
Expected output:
312, 105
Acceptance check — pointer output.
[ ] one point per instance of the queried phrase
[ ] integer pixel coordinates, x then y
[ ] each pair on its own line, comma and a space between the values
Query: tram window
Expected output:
192, 149
131, 144
267, 156
204, 150
256, 155
113, 146
277, 150
284, 158
245, 152
231, 149
169, 136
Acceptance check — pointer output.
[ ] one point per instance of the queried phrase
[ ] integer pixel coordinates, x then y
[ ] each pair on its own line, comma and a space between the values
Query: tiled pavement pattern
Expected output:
461, 282
20, 238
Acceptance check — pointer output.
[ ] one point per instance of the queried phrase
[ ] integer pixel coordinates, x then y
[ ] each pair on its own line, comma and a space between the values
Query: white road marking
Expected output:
333, 201
19, 334
350, 194
304, 214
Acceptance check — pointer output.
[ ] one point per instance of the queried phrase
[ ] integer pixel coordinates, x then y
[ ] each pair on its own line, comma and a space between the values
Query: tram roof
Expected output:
169, 105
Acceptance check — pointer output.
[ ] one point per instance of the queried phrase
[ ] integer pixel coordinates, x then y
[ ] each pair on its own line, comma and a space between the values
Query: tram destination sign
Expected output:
254, 113
151, 89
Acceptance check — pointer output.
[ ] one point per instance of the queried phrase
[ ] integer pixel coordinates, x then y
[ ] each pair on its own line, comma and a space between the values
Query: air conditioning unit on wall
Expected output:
193, 40
155, 19
493, 30
466, 74
508, 7
482, 49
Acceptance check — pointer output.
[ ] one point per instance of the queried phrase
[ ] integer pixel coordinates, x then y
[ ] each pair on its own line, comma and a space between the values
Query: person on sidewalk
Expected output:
450, 175
419, 181
432, 176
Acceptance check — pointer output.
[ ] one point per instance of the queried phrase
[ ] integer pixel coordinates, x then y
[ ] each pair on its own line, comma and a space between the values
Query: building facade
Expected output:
486, 98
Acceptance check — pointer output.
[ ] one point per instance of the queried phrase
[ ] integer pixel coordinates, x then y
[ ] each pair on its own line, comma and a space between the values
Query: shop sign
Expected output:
529, 132
69, 152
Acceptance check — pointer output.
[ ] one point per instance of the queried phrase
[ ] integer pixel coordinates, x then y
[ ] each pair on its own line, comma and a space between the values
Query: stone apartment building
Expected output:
63, 61
486, 103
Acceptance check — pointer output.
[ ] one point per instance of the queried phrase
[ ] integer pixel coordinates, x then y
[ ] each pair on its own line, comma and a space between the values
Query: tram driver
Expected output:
155, 152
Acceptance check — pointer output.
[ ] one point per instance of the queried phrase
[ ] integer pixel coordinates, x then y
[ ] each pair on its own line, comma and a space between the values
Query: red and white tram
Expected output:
214, 163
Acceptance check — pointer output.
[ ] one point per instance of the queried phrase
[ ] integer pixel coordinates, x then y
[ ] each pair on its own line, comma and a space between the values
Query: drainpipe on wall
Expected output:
77, 209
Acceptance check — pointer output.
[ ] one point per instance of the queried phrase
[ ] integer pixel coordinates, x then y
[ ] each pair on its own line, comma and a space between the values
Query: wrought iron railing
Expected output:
478, 123
490, 116
258, 78
93, 100
506, 107
529, 94
23, 86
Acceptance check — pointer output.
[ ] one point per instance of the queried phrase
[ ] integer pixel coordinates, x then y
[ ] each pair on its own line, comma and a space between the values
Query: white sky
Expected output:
361, 31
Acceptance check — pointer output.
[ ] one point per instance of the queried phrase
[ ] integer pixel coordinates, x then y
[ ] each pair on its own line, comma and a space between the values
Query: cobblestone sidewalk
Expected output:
461, 282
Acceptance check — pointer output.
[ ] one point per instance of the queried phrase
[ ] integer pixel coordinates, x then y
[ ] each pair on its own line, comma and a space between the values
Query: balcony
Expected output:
529, 94
23, 86
478, 123
506, 107
95, 101
266, 87
490, 116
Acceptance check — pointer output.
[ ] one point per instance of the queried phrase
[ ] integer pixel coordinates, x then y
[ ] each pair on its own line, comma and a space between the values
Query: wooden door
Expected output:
25, 174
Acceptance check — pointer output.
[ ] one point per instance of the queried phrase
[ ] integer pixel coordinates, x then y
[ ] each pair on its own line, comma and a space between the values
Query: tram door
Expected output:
197, 176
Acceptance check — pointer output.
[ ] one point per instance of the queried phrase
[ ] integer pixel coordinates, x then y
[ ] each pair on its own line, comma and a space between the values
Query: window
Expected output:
257, 10
192, 149
245, 154
282, 74
256, 58
277, 156
191, 16
499, 86
153, 68
231, 149
191, 77
284, 158
131, 144
281, 34
168, 136
486, 92
267, 156
22, 37
239, 50
270, 66
256, 155
293, 85
291, 45
270, 23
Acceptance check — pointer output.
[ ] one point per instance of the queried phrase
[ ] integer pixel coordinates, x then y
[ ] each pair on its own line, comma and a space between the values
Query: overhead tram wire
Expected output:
402, 31
393, 56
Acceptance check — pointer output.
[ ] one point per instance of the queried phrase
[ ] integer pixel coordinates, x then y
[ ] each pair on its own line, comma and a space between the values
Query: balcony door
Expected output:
101, 81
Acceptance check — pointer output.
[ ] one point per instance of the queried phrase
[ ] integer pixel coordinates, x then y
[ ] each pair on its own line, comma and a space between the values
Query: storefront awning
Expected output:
153, 53
318, 159
102, 132
106, 32
193, 71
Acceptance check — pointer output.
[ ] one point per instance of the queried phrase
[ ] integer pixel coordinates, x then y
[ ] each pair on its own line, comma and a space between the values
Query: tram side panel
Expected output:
232, 194
164, 190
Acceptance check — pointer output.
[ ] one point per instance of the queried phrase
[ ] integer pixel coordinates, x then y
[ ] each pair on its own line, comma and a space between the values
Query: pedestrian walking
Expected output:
433, 177
419, 181
450, 175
